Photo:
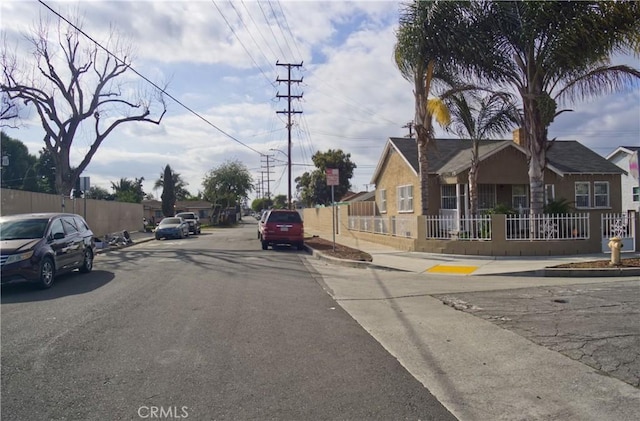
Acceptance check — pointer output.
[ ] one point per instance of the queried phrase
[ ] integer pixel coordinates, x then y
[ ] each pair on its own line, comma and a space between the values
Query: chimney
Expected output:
519, 138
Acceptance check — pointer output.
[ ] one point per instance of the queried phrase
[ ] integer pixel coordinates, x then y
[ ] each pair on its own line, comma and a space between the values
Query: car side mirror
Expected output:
58, 236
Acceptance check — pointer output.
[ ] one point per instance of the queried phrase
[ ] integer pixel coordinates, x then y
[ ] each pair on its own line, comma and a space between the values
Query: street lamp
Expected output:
289, 170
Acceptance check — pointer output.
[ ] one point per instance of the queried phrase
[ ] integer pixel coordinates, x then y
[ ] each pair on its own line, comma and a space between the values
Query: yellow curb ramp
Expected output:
453, 270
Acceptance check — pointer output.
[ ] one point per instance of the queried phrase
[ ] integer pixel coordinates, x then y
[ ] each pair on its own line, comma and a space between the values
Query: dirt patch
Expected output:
341, 251
600, 264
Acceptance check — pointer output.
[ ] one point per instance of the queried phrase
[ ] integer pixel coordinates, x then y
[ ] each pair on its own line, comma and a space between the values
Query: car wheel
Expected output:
157, 237
47, 271
181, 234
300, 245
265, 245
199, 231
87, 262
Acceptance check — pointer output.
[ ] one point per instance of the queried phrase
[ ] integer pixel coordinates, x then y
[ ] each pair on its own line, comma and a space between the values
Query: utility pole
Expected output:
288, 112
409, 126
268, 171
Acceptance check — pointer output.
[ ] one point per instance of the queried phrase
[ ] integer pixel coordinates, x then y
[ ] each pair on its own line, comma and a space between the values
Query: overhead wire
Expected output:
130, 67
242, 44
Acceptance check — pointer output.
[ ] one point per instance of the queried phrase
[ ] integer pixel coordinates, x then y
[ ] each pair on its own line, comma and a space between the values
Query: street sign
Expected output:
84, 183
333, 177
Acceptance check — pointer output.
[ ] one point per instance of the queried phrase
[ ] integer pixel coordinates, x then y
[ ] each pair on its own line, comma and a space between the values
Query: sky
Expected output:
219, 60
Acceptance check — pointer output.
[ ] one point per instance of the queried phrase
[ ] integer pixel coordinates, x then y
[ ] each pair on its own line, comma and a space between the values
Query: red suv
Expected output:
282, 226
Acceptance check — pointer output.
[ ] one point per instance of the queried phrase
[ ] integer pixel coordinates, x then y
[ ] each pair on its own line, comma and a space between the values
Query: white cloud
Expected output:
354, 97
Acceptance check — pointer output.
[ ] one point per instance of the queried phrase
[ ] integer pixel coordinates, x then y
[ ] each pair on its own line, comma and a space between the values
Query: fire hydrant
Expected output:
615, 244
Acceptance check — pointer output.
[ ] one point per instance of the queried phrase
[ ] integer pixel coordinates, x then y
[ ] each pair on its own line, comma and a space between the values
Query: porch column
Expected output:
458, 206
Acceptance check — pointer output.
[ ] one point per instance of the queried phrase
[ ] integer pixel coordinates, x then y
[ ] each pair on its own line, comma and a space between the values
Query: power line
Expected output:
271, 29
241, 43
129, 66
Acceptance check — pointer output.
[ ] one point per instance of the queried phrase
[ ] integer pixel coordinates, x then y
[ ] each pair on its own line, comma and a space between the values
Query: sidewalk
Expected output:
385, 257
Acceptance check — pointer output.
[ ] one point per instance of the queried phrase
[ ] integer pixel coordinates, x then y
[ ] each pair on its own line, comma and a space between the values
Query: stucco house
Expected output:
626, 157
153, 209
573, 172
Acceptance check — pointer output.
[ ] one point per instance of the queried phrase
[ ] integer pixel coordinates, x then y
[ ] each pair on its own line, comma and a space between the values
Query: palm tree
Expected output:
180, 191
549, 52
480, 119
421, 57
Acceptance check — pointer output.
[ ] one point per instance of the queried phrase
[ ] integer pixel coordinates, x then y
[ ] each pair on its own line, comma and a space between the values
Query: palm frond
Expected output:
601, 80
438, 109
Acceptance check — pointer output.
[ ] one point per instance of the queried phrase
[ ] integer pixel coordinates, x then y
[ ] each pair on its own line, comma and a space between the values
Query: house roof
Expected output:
362, 196
452, 156
624, 149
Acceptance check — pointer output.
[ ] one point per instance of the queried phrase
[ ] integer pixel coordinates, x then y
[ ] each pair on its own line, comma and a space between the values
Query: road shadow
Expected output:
73, 283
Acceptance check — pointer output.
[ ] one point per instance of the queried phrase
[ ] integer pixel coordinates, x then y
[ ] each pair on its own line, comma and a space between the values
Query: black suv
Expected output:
37, 247
193, 221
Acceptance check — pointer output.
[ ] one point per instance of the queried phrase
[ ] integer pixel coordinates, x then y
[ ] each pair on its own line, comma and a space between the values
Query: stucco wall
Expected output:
103, 216
318, 222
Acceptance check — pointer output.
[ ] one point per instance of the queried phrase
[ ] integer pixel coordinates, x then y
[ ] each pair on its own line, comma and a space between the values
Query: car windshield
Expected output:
22, 229
170, 221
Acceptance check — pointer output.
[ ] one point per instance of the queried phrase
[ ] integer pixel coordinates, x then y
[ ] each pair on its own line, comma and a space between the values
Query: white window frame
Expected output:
587, 194
383, 200
405, 198
524, 196
635, 194
549, 193
448, 191
597, 195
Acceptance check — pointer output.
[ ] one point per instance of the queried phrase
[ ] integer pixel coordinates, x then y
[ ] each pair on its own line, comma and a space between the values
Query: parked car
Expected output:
281, 226
172, 227
192, 219
37, 247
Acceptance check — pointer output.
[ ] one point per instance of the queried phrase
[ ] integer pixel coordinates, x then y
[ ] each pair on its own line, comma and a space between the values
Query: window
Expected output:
405, 199
56, 227
202, 213
486, 196
69, 225
601, 194
636, 194
549, 193
448, 197
583, 194
519, 197
383, 201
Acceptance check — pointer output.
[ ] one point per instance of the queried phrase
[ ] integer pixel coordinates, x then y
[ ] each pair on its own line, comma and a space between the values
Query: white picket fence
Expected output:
398, 226
450, 227
548, 227
621, 226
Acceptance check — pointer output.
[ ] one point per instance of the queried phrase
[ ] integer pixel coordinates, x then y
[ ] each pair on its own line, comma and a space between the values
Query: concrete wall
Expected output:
103, 216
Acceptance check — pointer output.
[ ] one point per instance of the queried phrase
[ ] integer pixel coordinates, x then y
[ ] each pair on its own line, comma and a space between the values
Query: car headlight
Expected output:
19, 257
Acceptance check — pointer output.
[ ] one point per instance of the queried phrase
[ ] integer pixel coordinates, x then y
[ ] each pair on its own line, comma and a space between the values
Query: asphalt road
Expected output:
209, 327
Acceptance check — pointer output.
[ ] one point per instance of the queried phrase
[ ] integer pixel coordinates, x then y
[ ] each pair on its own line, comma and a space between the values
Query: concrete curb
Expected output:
359, 264
588, 273
134, 242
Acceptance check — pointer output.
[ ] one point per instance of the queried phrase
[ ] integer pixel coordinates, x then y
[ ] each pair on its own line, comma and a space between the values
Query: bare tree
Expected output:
76, 86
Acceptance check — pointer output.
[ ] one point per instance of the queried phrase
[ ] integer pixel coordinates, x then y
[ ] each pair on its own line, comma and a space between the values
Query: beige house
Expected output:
573, 173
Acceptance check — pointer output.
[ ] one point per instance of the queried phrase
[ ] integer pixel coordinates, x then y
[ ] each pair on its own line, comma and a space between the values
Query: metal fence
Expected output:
450, 227
399, 226
548, 227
